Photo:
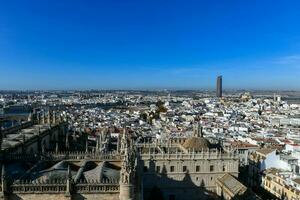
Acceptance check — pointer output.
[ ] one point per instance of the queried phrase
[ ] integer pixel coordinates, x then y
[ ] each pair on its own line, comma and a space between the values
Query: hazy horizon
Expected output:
153, 89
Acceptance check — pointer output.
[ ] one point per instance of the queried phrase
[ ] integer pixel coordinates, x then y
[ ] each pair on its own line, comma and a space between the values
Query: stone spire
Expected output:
38, 117
69, 182
105, 141
87, 145
127, 170
100, 141
97, 144
3, 182
118, 143
34, 116
53, 117
67, 141
48, 117
43, 148
56, 147
3, 173
30, 117
124, 141
43, 117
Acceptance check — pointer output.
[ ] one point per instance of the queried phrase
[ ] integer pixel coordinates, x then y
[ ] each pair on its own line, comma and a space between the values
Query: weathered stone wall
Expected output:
96, 196
63, 197
187, 178
182, 193
38, 197
191, 177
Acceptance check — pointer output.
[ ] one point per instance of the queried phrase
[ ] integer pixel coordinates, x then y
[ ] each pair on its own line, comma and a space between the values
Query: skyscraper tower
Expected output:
219, 86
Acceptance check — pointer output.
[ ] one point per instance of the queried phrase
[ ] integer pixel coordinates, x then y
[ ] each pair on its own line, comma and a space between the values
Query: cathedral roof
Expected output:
197, 143
104, 170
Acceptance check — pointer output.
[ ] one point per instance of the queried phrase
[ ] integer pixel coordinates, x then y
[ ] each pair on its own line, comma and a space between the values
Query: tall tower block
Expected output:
219, 86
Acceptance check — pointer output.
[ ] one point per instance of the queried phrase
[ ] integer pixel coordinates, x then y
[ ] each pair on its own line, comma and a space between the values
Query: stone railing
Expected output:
111, 186
183, 156
80, 156
19, 156
153, 145
60, 156
37, 187
97, 188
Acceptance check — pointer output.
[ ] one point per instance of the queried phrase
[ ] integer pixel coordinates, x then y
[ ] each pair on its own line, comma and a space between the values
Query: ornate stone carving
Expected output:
128, 162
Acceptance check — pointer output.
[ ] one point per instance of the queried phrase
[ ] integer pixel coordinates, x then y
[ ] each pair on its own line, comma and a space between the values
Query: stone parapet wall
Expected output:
38, 188
186, 156
81, 156
97, 188
85, 196
46, 196
61, 187
33, 196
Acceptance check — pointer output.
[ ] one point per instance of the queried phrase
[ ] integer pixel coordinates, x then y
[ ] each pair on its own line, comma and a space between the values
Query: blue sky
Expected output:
71, 44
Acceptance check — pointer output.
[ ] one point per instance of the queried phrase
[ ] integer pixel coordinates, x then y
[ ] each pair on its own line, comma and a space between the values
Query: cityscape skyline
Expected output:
139, 45
150, 100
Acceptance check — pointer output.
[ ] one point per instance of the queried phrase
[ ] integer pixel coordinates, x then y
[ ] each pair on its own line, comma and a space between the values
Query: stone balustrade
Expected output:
192, 155
57, 156
81, 155
37, 187
60, 186
97, 188
19, 156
